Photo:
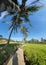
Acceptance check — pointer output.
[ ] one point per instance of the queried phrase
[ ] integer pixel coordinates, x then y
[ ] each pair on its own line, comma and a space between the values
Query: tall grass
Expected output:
35, 54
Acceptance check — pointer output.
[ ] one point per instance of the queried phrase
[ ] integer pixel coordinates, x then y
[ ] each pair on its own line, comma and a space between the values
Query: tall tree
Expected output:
21, 13
15, 25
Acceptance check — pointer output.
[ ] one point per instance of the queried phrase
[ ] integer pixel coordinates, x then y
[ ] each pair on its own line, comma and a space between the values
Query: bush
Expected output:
6, 51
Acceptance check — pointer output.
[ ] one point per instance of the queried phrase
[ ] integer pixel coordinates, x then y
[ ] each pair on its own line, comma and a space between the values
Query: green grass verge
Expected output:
35, 54
6, 51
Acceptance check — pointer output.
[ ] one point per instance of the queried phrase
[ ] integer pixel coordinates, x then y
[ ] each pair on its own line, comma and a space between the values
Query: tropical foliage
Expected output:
6, 52
21, 13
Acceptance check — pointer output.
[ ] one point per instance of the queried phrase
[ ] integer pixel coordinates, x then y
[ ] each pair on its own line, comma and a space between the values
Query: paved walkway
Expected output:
10, 61
18, 58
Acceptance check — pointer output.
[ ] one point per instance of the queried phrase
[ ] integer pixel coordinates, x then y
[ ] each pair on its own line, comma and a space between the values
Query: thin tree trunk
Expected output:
10, 36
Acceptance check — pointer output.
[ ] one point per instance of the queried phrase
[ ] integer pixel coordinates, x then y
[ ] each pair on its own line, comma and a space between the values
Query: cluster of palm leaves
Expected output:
21, 14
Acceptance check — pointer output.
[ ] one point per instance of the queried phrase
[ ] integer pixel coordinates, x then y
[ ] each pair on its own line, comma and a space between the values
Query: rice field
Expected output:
35, 54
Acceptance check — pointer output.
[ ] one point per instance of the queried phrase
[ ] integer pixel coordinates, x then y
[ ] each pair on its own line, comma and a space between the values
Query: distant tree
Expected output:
43, 40
24, 30
1, 36
34, 41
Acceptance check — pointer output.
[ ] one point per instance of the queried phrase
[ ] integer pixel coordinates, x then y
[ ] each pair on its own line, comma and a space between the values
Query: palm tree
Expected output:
21, 14
15, 25
24, 30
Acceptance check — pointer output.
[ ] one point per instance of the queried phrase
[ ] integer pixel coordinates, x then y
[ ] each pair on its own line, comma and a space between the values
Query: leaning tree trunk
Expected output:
9, 36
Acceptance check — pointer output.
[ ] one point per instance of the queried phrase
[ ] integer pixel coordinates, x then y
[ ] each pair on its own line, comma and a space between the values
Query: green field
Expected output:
35, 54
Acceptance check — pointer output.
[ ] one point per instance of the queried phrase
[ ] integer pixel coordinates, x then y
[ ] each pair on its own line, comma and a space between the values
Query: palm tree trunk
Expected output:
10, 36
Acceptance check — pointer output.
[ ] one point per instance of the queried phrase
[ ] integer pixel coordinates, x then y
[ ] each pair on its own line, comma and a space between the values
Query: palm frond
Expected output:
26, 18
24, 29
30, 24
7, 22
35, 1
15, 29
33, 8
24, 2
10, 27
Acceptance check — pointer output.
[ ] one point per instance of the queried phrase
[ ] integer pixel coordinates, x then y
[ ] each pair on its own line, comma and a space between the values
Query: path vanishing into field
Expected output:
18, 58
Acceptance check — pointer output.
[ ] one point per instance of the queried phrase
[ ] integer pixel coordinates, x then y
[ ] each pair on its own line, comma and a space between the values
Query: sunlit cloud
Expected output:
3, 14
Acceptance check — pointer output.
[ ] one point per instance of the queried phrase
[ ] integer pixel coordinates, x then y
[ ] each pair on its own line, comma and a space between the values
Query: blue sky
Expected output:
38, 20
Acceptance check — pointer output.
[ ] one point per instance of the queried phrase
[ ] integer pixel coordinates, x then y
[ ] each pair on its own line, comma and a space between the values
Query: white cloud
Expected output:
3, 14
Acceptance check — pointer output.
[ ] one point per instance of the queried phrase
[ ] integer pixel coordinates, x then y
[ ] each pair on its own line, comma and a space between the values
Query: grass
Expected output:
35, 54
5, 52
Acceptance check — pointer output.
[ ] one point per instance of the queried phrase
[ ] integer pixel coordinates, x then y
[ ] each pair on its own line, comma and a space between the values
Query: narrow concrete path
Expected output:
10, 61
18, 58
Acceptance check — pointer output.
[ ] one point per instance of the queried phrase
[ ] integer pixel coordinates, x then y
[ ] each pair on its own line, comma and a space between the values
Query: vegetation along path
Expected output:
18, 58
